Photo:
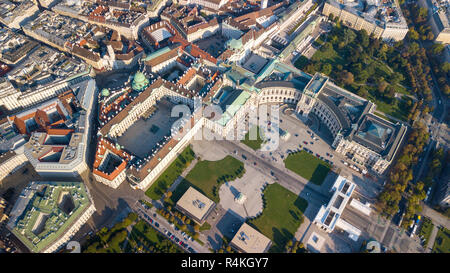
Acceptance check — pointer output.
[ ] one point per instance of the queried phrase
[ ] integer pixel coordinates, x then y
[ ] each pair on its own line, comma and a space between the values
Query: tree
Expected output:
363, 38
168, 194
346, 77
330, 17
326, 69
396, 78
437, 48
326, 47
413, 48
413, 34
362, 76
389, 92
382, 86
349, 36
445, 67
290, 243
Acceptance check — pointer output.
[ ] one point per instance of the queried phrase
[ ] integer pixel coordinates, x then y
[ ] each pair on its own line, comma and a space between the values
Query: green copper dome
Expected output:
139, 81
105, 92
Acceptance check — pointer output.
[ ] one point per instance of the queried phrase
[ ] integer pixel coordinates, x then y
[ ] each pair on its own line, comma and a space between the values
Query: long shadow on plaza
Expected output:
110, 215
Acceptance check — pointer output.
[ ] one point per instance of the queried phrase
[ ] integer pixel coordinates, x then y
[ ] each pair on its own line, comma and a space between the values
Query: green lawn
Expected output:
204, 177
394, 109
255, 144
205, 226
169, 176
308, 166
425, 230
442, 242
281, 217
329, 56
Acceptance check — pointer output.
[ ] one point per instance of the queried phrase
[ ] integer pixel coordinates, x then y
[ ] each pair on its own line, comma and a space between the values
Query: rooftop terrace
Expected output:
45, 211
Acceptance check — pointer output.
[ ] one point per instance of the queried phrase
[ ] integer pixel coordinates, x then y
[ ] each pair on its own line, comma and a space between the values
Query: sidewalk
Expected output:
183, 175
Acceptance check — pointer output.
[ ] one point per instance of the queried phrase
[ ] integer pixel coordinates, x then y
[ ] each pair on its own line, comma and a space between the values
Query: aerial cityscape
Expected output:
224, 126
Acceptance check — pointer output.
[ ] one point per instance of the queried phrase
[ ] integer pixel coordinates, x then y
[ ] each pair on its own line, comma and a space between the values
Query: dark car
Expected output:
318, 155
156, 224
304, 142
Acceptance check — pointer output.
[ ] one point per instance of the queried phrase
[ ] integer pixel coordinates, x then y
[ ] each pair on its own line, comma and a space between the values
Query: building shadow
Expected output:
229, 223
234, 191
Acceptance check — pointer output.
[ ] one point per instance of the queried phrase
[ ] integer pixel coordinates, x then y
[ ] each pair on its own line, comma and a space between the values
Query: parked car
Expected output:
156, 224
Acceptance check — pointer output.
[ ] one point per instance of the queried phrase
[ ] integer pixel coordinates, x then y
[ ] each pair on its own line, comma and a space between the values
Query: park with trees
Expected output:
395, 77
110, 240
400, 176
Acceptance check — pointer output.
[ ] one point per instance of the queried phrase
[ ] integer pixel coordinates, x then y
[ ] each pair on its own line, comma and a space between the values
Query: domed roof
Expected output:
105, 92
139, 81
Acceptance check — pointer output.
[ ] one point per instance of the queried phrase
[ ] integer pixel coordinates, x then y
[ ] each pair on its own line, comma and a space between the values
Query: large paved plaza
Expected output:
139, 138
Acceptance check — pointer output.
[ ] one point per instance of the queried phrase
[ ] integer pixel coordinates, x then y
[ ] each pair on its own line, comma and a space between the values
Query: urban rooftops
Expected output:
45, 211
195, 205
249, 240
